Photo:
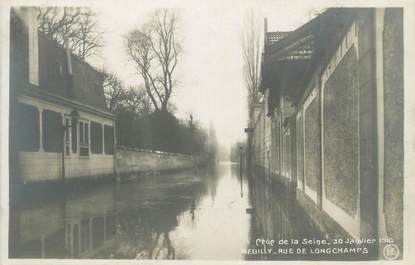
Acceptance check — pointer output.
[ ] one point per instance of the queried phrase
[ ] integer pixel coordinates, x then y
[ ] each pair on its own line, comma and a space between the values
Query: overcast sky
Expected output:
210, 71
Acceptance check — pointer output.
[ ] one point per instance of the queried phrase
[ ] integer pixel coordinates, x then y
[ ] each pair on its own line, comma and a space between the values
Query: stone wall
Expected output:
130, 161
394, 123
340, 125
368, 174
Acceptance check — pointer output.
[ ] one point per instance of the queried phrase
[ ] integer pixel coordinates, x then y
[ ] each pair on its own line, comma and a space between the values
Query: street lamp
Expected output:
74, 115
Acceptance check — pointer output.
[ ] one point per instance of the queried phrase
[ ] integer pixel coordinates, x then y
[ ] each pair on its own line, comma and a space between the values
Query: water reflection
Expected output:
190, 215
214, 213
72, 226
276, 215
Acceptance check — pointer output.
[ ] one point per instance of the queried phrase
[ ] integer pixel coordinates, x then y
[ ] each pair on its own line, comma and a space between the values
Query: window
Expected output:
98, 88
59, 70
109, 139
52, 131
110, 226
74, 138
83, 138
287, 159
96, 138
85, 231
278, 147
283, 156
27, 128
97, 231
75, 240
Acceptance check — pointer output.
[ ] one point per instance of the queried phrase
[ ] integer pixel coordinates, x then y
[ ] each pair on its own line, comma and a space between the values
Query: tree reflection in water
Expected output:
146, 219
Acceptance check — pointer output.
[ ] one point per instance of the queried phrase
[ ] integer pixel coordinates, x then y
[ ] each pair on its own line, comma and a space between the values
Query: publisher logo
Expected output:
390, 252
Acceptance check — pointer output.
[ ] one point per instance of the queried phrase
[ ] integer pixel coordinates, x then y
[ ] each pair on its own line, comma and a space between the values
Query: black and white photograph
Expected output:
206, 131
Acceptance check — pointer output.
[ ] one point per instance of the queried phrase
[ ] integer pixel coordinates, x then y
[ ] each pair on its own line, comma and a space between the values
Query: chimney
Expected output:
265, 32
265, 25
30, 18
70, 81
68, 57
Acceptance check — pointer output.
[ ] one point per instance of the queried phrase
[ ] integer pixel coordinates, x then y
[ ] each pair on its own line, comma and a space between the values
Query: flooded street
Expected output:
190, 215
197, 214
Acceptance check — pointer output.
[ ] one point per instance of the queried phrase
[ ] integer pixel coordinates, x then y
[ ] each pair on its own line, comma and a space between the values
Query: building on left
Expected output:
60, 126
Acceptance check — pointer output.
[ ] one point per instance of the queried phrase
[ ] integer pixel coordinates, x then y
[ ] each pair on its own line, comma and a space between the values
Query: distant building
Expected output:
49, 89
330, 127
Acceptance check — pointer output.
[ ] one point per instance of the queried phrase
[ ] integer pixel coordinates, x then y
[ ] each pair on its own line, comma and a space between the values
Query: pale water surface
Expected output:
197, 214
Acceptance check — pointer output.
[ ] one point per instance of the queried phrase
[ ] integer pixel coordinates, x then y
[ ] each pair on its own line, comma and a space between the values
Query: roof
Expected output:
85, 85
289, 63
274, 37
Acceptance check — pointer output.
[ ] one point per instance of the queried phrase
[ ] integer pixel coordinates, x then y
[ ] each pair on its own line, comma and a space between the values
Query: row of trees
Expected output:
144, 113
140, 125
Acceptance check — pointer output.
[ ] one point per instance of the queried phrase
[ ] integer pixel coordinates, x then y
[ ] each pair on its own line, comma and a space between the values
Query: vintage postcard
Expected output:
206, 131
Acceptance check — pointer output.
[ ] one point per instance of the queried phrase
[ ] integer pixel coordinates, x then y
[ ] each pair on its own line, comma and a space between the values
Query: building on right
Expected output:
331, 125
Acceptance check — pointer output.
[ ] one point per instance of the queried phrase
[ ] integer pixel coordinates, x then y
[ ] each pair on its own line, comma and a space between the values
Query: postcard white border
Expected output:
409, 119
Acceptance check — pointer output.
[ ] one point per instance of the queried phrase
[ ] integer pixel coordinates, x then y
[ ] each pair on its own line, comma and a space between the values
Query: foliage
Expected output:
139, 125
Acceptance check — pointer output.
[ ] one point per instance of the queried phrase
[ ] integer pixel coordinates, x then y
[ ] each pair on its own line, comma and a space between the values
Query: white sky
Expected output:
210, 71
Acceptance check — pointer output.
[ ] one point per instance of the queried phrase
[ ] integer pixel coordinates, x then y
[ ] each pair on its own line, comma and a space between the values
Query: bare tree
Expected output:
155, 50
88, 38
57, 23
75, 28
251, 49
139, 49
134, 99
114, 91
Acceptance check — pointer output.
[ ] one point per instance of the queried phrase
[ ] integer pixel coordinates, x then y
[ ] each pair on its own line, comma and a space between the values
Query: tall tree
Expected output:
155, 50
251, 51
76, 28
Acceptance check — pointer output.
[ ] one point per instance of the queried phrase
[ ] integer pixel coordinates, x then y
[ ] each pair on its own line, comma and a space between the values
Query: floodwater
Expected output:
209, 213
